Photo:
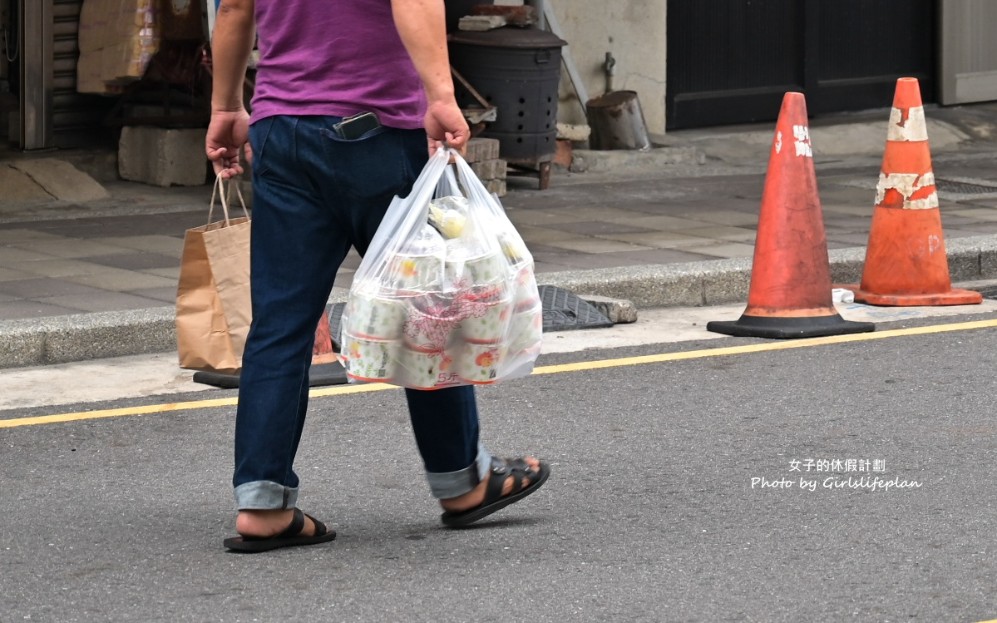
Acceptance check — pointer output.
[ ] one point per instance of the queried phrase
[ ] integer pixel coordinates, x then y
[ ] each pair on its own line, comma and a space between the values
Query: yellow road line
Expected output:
764, 347
553, 369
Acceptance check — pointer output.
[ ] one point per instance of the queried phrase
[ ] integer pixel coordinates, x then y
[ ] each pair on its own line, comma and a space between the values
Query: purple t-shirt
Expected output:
334, 57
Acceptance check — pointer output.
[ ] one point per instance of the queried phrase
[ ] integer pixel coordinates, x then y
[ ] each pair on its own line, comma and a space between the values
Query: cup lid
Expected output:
427, 241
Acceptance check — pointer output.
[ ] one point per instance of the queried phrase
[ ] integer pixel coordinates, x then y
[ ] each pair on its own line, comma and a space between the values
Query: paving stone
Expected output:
57, 268
41, 288
135, 261
108, 301
591, 228
122, 280
32, 309
595, 245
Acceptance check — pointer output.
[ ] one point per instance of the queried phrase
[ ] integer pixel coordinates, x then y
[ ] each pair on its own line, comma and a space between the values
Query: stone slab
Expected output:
62, 180
481, 23
18, 186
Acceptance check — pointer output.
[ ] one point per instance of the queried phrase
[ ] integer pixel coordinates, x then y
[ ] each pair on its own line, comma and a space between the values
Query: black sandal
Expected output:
290, 537
520, 470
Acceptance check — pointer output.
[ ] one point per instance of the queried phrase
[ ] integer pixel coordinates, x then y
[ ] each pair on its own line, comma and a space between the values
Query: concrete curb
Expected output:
64, 339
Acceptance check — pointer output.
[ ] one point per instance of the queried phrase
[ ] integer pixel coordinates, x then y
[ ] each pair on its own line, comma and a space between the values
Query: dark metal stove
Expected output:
517, 70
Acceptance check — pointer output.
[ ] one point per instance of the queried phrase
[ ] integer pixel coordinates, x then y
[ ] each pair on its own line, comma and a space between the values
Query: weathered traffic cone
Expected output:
905, 260
790, 293
322, 351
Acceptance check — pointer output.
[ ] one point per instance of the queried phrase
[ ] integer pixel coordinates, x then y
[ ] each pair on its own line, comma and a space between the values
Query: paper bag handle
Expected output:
218, 191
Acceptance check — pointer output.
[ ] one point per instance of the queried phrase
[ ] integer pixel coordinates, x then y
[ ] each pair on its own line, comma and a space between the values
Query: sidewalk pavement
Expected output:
673, 226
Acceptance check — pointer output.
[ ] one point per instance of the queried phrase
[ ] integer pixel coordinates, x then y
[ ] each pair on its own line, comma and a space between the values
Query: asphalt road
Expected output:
656, 509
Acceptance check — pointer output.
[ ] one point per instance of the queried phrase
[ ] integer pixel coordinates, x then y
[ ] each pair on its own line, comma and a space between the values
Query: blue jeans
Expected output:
315, 195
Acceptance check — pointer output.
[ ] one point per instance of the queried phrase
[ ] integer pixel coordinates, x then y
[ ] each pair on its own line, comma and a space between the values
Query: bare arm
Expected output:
231, 45
421, 26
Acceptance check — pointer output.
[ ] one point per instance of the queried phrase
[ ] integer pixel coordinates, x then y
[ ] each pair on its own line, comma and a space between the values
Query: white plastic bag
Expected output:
446, 293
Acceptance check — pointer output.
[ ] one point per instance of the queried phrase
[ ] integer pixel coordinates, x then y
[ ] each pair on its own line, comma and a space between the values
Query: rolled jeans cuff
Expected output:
445, 485
265, 495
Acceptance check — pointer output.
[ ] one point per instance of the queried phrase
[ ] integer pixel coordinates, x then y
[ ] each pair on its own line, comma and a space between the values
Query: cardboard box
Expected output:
117, 39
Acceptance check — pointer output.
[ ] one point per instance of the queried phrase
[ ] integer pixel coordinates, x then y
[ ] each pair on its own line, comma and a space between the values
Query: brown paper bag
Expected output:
213, 303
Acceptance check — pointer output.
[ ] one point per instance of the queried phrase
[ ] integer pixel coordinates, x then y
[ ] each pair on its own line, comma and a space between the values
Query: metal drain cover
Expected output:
564, 311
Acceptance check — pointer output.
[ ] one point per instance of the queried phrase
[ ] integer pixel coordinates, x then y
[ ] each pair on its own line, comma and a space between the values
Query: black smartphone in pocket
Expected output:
356, 126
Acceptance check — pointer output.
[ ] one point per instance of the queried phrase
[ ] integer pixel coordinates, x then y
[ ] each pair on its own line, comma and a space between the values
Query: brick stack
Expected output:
483, 156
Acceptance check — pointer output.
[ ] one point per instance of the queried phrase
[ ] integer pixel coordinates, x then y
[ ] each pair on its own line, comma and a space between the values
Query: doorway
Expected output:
732, 62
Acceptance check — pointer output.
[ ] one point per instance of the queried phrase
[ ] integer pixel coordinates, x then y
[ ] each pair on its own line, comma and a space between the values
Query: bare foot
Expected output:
476, 496
267, 523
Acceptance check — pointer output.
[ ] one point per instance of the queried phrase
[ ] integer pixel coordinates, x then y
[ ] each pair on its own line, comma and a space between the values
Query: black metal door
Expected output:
732, 61
76, 117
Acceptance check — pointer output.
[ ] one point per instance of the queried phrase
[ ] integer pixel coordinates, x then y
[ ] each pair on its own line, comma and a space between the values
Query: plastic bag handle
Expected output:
400, 214
218, 191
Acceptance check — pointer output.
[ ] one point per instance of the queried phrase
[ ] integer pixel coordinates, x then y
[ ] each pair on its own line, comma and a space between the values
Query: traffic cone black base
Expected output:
788, 327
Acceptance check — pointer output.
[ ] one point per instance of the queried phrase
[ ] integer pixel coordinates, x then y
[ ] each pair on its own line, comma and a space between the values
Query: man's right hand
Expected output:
228, 132
446, 127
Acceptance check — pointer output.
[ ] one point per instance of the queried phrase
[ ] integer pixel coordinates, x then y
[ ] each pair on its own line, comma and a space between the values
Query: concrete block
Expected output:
490, 169
619, 311
480, 149
61, 179
162, 157
496, 187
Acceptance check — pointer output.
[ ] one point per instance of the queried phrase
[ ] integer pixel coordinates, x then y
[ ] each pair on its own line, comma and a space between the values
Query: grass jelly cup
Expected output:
418, 265
374, 315
369, 359
426, 370
513, 248
526, 328
485, 313
479, 363
430, 323
471, 261
525, 291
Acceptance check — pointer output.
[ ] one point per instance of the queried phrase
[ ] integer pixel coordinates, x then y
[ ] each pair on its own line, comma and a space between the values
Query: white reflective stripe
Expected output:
907, 184
914, 129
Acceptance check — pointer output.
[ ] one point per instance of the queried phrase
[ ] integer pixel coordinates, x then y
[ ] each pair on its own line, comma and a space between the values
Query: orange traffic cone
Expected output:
790, 292
322, 350
905, 260
325, 369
